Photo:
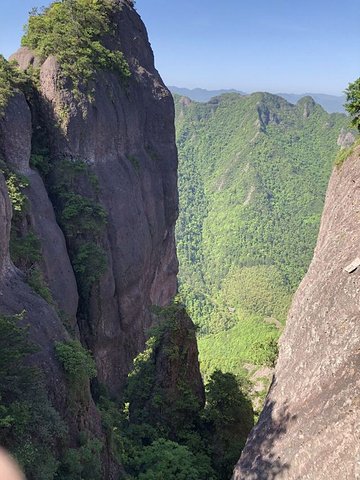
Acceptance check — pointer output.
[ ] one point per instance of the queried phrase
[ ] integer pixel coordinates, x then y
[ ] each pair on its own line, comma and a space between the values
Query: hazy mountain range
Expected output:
330, 103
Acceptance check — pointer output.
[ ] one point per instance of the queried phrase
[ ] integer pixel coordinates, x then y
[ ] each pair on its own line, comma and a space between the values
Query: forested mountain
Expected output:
253, 172
330, 103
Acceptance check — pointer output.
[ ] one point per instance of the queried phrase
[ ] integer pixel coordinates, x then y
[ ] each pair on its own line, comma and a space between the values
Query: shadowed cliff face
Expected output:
15, 294
125, 133
317, 383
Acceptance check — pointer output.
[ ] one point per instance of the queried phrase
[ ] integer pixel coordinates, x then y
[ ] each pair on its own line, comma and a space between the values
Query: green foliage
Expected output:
229, 419
35, 279
15, 183
152, 154
41, 163
11, 80
345, 153
84, 462
81, 214
25, 251
73, 189
166, 459
135, 162
66, 174
73, 31
253, 172
30, 427
352, 104
262, 292
76, 360
89, 263
250, 341
170, 418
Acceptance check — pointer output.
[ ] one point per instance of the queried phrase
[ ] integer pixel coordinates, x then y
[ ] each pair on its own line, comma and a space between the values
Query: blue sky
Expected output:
292, 46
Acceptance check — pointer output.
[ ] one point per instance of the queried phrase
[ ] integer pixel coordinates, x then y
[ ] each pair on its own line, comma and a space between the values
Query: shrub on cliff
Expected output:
72, 31
352, 104
29, 425
10, 81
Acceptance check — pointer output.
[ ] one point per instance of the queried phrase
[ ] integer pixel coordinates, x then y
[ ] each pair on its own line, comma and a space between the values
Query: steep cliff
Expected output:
125, 135
309, 427
92, 166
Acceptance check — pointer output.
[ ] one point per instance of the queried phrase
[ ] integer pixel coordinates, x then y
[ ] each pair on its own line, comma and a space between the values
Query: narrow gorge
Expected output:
100, 377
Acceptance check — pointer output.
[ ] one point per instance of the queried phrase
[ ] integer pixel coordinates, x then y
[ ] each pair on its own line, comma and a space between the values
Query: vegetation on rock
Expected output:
73, 31
29, 425
11, 79
73, 189
163, 412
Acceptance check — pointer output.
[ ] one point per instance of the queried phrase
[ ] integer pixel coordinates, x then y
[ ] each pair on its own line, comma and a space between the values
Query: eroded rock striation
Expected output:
310, 425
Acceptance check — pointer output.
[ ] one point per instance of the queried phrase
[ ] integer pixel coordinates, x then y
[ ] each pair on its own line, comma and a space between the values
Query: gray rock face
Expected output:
15, 133
25, 57
175, 370
15, 295
310, 426
58, 270
15, 149
126, 134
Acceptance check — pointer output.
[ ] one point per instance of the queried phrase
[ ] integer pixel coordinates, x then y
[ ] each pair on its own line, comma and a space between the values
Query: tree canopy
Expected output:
352, 104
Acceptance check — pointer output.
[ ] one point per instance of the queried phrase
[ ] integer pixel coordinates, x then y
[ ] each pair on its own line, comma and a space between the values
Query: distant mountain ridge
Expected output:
201, 94
330, 103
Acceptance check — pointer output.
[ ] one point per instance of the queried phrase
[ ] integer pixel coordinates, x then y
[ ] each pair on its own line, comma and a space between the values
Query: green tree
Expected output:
72, 31
166, 459
229, 417
30, 428
352, 104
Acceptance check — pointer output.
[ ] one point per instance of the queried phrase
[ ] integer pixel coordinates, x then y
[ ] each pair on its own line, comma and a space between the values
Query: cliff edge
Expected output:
310, 425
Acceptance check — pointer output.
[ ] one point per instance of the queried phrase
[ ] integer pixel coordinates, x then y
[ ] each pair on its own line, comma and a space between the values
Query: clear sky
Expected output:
292, 46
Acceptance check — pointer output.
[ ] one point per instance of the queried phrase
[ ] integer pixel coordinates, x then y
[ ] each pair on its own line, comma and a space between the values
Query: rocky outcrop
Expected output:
177, 363
125, 133
15, 133
310, 426
120, 136
167, 388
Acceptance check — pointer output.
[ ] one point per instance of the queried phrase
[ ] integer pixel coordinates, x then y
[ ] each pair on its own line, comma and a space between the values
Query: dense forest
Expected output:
253, 172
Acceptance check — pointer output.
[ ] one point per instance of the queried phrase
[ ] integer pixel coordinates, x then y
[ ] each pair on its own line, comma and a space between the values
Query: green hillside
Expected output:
252, 179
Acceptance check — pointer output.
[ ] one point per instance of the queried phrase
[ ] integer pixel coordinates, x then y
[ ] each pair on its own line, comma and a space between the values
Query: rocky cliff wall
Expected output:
125, 135
309, 428
16, 296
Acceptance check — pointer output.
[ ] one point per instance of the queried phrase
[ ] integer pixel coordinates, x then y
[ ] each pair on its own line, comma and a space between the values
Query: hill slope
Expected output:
253, 172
